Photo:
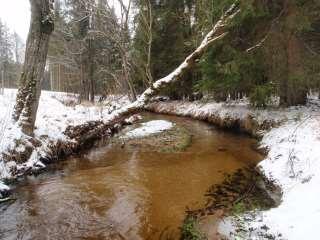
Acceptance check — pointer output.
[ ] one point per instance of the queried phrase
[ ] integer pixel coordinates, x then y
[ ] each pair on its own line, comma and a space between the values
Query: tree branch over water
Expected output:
218, 32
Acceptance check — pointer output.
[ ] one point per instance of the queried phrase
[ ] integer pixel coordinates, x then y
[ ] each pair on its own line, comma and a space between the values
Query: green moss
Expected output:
190, 230
238, 208
180, 140
177, 139
239, 193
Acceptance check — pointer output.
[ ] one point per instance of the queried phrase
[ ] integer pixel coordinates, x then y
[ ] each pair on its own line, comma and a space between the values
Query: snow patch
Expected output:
293, 162
149, 128
3, 187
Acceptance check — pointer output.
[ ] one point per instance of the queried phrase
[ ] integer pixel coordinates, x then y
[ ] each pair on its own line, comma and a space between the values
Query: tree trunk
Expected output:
91, 52
293, 89
84, 90
218, 32
87, 132
82, 136
41, 27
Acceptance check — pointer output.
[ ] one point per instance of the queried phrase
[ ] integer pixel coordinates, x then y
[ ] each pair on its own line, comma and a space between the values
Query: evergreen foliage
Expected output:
272, 49
10, 56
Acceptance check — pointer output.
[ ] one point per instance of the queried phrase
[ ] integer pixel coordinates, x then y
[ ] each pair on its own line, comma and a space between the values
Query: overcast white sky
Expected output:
16, 14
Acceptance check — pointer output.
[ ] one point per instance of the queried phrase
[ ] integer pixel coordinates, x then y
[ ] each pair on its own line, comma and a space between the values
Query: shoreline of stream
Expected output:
207, 140
264, 194
260, 124
61, 150
286, 137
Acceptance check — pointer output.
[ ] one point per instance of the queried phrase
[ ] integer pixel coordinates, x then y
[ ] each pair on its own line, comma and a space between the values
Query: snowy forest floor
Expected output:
290, 135
56, 112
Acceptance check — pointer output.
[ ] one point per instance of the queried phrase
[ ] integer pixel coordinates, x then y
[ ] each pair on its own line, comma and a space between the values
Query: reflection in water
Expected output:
128, 207
115, 193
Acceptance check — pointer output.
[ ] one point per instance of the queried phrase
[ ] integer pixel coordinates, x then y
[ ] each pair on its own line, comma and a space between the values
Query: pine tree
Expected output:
171, 40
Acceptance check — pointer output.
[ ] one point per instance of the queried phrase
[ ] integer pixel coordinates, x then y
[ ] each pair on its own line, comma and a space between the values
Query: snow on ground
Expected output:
3, 188
54, 116
233, 110
56, 111
293, 162
149, 128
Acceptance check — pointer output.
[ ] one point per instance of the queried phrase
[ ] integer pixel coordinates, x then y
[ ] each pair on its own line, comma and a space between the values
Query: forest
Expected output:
161, 119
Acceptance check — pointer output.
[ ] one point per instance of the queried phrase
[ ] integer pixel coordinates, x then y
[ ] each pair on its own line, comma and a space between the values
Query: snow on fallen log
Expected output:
26, 157
50, 140
218, 32
4, 190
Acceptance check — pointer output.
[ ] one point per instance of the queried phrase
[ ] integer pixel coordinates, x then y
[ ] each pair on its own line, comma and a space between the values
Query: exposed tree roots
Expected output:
79, 138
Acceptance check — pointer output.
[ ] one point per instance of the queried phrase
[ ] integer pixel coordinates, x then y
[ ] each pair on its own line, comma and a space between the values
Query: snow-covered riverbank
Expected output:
293, 162
56, 112
292, 137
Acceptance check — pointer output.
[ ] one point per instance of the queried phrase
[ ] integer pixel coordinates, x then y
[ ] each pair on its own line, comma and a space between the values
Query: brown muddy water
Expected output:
125, 193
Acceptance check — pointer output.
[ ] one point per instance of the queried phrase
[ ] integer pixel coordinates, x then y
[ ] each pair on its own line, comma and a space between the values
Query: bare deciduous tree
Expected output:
41, 27
117, 32
145, 22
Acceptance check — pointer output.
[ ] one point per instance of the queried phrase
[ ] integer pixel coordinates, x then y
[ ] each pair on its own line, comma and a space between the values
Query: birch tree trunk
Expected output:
33, 71
218, 32
41, 27
85, 133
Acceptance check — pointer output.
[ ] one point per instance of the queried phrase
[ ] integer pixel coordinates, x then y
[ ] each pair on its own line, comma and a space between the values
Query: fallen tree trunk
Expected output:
80, 138
82, 135
218, 32
27, 99
86, 134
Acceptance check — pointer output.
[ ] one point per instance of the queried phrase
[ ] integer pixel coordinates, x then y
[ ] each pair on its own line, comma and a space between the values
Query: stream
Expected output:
120, 192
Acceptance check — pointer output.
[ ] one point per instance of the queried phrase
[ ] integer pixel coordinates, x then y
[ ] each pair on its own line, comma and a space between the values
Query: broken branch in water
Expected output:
3, 200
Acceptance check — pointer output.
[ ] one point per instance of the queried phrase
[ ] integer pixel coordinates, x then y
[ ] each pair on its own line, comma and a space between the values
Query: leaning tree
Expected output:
218, 32
29, 91
27, 101
87, 132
